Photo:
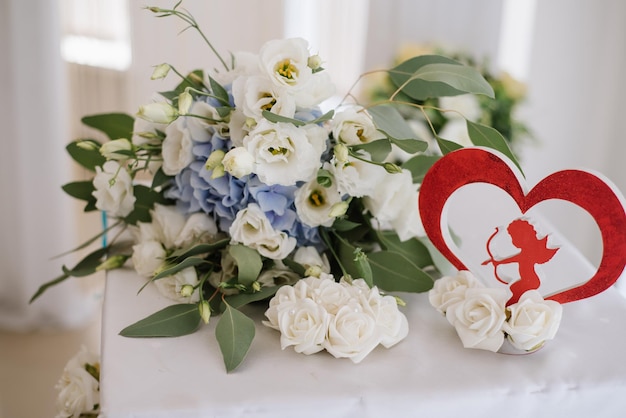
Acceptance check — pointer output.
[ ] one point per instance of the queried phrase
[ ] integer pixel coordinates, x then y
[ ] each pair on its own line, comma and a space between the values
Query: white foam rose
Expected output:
303, 325
171, 286
285, 154
78, 390
148, 256
355, 177
113, 189
285, 298
252, 229
176, 148
314, 203
449, 290
352, 333
330, 294
354, 126
478, 318
198, 228
238, 162
393, 326
533, 320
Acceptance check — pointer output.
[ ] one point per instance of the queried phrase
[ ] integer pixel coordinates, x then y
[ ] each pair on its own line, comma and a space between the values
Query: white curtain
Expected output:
36, 222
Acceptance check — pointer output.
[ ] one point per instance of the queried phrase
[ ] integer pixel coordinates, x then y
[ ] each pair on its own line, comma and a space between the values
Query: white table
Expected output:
580, 374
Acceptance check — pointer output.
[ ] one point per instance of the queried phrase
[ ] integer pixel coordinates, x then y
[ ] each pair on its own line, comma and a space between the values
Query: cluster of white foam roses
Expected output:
483, 321
346, 318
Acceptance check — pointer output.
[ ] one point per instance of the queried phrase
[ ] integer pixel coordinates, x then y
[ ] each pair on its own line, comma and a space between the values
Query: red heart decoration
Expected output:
586, 190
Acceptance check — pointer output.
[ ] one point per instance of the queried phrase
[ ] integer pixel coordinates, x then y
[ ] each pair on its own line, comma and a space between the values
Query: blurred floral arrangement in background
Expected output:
447, 115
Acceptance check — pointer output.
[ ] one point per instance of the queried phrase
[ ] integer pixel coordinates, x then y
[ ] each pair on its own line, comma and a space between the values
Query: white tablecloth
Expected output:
580, 374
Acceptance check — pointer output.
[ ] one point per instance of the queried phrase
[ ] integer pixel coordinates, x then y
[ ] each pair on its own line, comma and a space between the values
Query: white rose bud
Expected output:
214, 159
205, 311
238, 162
159, 112
111, 150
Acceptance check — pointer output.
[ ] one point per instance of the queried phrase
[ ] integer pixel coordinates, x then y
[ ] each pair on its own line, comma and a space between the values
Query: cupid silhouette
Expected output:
533, 250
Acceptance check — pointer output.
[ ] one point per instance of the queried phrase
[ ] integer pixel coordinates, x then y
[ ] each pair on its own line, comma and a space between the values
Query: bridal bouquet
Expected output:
240, 187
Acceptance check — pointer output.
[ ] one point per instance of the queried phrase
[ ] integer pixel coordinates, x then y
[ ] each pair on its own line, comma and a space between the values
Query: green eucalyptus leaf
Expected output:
234, 333
390, 122
273, 117
419, 89
82, 190
394, 272
419, 166
411, 146
413, 249
486, 136
88, 264
342, 224
378, 150
186, 263
460, 77
249, 263
242, 299
160, 178
48, 285
447, 146
172, 321
295, 267
197, 249
89, 158
220, 92
113, 125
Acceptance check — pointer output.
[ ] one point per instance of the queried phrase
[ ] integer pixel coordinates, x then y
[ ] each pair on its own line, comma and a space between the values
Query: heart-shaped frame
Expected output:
589, 191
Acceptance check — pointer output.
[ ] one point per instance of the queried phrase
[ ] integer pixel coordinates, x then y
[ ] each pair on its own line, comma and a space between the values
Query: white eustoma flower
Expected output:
238, 162
148, 257
113, 189
246, 64
171, 286
479, 317
354, 126
252, 229
285, 154
355, 177
314, 203
303, 325
198, 228
176, 148
167, 222
145, 132
394, 202
286, 62
79, 391
533, 320
352, 333
449, 290
201, 128
257, 93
